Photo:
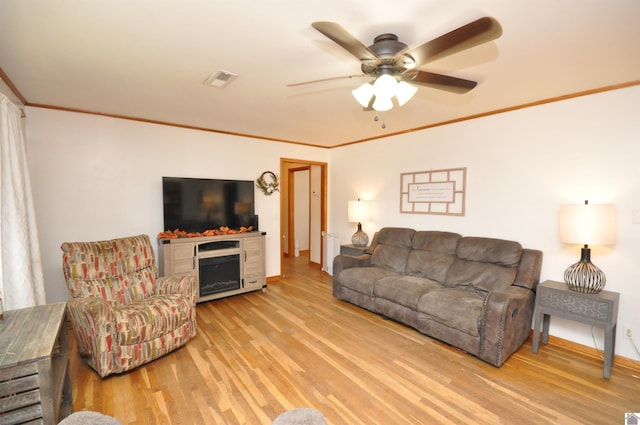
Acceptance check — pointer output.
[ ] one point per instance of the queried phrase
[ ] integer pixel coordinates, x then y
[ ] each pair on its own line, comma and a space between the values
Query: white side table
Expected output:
555, 298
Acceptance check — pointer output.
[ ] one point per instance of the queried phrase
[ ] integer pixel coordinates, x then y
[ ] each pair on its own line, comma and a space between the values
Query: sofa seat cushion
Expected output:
404, 290
150, 319
456, 308
363, 279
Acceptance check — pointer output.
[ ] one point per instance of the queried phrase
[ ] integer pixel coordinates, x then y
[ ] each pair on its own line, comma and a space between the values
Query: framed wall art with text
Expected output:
433, 191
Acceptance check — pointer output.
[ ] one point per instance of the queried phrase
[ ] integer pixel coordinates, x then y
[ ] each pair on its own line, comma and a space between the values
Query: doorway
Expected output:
313, 175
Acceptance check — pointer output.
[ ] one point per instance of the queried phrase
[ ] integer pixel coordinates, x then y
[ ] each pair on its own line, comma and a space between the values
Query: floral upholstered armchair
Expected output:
123, 314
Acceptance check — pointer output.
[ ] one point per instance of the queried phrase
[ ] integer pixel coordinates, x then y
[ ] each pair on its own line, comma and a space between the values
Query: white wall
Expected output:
97, 178
521, 166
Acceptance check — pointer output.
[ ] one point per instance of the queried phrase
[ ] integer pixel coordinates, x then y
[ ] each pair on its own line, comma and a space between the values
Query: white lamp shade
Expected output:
404, 92
382, 104
363, 94
385, 86
588, 224
358, 211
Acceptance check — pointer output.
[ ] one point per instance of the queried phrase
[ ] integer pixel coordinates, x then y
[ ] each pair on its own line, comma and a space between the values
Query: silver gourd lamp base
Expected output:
584, 276
360, 238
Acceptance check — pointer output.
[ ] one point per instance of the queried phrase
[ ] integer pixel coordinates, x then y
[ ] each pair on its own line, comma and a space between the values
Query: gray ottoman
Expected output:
89, 418
301, 416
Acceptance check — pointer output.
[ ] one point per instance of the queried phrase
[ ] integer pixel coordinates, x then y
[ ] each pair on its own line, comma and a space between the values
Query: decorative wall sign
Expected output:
433, 192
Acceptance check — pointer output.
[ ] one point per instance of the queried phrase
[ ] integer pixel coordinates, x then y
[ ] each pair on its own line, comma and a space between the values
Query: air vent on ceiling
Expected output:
220, 79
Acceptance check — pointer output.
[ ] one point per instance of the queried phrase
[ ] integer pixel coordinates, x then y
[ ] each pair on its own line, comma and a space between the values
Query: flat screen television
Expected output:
196, 205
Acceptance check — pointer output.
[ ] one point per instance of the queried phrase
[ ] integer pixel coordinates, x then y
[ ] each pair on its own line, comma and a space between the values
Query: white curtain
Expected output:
21, 278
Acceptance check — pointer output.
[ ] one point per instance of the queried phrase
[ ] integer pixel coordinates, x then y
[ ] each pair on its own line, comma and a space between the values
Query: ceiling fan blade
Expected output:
470, 35
439, 81
344, 39
321, 80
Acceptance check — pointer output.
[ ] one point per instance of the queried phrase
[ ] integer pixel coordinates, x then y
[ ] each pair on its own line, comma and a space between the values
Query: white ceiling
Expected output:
147, 59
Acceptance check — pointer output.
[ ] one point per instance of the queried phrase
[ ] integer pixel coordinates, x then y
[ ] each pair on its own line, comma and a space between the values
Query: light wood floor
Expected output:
260, 354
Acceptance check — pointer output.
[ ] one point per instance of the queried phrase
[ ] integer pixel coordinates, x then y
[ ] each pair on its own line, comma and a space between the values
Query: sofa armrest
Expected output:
341, 262
93, 322
528, 275
506, 323
178, 284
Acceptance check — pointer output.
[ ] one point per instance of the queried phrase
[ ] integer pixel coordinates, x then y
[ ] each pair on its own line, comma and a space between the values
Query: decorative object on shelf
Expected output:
587, 224
222, 230
268, 182
358, 211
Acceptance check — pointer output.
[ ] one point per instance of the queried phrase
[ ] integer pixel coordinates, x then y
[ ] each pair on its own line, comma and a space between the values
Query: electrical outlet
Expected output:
627, 332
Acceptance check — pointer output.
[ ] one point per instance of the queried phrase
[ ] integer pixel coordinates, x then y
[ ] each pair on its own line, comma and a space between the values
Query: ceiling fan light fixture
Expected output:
404, 92
382, 90
382, 104
388, 57
385, 86
363, 94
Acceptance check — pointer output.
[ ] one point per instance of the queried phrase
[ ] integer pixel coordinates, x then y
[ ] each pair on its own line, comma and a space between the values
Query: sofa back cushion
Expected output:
484, 264
392, 248
432, 255
496, 251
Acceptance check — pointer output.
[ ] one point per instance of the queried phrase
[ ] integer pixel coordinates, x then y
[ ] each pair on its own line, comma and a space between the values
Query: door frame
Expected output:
291, 222
286, 204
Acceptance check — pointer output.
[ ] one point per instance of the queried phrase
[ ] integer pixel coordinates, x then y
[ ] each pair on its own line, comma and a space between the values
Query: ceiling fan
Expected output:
389, 57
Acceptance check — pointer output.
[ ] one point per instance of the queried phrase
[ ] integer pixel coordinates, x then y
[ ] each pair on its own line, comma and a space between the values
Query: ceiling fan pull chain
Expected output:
376, 119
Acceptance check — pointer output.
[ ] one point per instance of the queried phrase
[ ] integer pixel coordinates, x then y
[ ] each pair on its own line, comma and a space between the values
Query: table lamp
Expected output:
587, 224
358, 211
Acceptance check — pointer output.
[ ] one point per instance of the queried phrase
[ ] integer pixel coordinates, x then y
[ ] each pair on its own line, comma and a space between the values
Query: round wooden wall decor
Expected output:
268, 182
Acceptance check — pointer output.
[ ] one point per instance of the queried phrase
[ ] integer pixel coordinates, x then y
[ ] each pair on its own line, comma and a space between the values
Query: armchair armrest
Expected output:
506, 323
93, 321
178, 284
341, 262
184, 285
